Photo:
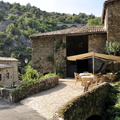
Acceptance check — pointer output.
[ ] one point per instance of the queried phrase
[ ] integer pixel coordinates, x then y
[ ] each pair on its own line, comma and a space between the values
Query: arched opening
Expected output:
94, 117
73, 26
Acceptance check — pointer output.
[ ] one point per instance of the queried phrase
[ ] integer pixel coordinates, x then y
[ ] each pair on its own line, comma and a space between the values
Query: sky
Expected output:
66, 6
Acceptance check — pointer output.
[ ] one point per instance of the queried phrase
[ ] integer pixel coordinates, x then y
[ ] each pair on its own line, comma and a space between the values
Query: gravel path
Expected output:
46, 103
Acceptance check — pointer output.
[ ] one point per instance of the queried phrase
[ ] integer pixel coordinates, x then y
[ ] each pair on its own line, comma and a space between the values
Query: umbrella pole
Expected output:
93, 62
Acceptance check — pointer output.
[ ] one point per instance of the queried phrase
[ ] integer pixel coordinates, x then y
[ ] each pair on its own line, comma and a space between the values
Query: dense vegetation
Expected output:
113, 111
19, 21
94, 22
113, 48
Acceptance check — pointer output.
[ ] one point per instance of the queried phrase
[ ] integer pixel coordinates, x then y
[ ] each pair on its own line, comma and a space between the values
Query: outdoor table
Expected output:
85, 74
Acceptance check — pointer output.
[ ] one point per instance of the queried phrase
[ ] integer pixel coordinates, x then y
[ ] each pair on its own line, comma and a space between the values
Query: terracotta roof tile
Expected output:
71, 31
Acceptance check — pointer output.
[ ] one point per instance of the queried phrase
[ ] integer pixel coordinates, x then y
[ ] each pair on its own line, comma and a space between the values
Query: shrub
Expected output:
113, 48
113, 111
48, 75
30, 74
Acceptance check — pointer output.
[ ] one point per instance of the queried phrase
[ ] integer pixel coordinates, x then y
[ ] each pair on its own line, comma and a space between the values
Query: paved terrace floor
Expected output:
48, 102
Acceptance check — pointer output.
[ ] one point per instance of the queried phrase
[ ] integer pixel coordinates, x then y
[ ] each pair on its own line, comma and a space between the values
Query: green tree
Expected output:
11, 29
12, 17
94, 22
1, 16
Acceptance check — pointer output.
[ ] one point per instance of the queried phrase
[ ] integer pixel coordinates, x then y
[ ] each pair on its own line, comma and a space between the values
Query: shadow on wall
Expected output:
94, 117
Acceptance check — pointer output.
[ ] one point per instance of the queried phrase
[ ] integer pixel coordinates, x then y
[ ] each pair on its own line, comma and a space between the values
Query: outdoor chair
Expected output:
77, 77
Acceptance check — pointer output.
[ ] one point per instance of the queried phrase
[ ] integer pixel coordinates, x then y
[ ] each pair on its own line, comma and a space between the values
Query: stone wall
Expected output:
97, 44
82, 107
42, 50
49, 53
17, 94
60, 55
9, 75
113, 20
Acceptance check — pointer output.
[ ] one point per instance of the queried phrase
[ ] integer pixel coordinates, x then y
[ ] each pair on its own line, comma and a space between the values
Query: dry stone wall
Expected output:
17, 94
97, 44
113, 20
49, 54
82, 107
43, 50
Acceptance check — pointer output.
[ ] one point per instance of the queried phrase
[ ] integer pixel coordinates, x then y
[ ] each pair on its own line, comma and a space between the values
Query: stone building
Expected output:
50, 50
8, 71
111, 19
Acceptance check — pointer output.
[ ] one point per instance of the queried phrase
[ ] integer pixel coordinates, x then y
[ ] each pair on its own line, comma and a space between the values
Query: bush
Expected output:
113, 48
30, 74
113, 111
48, 75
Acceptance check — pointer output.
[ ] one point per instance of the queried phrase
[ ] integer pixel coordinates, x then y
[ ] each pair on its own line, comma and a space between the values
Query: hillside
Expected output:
17, 22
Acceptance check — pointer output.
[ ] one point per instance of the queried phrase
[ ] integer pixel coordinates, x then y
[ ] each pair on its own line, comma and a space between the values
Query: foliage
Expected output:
59, 44
113, 48
1, 16
49, 75
11, 29
30, 74
59, 69
2, 35
94, 22
50, 58
113, 111
12, 17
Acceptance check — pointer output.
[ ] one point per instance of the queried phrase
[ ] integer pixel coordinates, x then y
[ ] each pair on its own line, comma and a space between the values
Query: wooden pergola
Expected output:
93, 55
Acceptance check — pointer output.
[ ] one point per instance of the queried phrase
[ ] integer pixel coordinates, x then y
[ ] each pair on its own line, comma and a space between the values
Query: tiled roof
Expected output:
7, 59
3, 66
104, 8
73, 31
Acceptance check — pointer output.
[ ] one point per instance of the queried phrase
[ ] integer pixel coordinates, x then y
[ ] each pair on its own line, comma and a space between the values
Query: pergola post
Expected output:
93, 62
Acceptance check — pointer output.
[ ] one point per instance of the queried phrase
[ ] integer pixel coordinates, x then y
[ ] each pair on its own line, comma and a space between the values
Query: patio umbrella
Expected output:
94, 55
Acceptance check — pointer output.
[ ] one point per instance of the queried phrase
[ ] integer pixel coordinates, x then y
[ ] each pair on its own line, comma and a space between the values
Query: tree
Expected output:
1, 16
94, 22
12, 16
28, 4
11, 29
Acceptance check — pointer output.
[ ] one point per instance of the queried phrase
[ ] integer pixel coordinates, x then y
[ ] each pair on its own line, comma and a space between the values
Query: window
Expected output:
7, 75
0, 77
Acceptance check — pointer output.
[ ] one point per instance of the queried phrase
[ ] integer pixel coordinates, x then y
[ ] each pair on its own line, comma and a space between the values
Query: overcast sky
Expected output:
66, 6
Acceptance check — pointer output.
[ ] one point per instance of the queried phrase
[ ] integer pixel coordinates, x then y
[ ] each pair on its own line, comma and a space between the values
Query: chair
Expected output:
77, 77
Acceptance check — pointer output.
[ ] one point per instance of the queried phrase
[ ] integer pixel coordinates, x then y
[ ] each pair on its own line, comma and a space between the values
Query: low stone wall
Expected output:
17, 94
90, 103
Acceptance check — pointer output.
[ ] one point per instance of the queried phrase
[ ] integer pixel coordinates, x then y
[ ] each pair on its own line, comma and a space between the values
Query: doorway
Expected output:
76, 45
94, 117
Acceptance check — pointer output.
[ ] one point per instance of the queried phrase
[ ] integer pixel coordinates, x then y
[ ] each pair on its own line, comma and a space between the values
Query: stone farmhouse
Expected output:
8, 71
50, 50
